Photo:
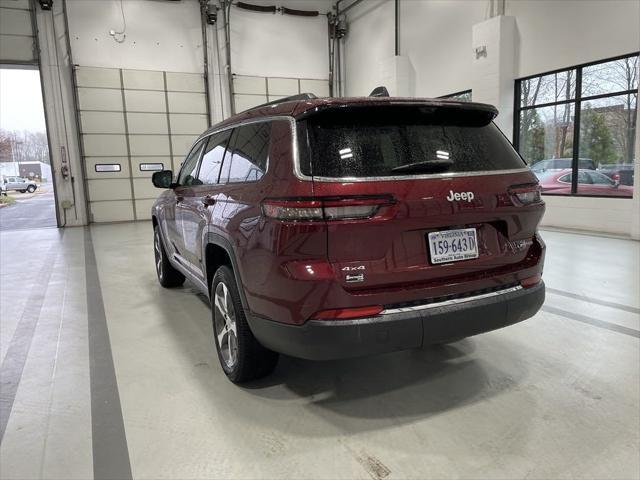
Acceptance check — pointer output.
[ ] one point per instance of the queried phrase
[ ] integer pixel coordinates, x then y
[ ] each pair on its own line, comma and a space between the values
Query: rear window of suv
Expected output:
360, 142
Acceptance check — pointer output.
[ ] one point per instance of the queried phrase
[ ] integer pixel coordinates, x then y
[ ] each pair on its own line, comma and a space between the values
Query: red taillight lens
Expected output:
327, 208
526, 194
531, 281
293, 210
348, 313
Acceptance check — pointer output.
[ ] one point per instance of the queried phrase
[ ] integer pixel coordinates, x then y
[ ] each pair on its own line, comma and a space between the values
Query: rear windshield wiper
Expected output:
428, 166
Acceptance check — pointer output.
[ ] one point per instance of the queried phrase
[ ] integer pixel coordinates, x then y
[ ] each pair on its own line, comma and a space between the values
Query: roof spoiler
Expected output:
379, 92
300, 96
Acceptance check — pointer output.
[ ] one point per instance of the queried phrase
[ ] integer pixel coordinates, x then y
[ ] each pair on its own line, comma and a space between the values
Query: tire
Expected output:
22, 191
31, 189
168, 276
241, 356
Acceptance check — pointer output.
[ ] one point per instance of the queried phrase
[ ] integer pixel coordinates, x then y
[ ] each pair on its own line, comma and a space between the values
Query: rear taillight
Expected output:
526, 194
293, 210
325, 208
348, 313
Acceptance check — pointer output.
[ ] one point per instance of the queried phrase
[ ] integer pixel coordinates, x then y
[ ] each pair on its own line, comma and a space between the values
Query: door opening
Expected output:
27, 196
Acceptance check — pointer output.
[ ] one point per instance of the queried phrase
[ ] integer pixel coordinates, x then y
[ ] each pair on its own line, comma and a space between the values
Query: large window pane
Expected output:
607, 136
546, 143
610, 77
555, 87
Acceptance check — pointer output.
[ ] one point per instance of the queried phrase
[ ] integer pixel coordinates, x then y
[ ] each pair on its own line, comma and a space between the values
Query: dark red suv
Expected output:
329, 228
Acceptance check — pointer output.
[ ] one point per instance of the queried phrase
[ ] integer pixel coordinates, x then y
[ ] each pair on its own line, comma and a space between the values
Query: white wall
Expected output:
164, 35
160, 35
436, 35
167, 36
275, 45
369, 42
560, 33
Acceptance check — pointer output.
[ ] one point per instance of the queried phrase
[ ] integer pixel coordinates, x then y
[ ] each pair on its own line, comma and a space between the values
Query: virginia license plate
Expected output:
453, 245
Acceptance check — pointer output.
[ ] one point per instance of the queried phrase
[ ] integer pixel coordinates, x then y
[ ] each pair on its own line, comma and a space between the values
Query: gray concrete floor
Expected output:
107, 375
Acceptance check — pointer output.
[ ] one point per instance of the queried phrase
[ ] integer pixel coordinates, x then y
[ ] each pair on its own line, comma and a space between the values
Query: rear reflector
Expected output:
526, 194
325, 208
309, 270
531, 281
348, 313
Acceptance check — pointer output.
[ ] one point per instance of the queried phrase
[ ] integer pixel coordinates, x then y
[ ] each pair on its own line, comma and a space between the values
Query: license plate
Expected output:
453, 245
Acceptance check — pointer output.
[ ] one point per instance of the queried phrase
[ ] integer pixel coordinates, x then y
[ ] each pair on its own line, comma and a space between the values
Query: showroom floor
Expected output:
106, 374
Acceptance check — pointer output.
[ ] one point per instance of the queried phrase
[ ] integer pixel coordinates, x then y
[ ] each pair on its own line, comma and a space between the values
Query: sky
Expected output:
21, 100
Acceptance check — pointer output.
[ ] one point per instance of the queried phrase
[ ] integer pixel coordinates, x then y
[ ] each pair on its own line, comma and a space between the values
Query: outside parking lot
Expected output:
30, 210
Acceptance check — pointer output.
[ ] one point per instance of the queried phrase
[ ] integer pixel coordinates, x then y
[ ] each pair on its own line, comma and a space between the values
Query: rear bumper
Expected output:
400, 329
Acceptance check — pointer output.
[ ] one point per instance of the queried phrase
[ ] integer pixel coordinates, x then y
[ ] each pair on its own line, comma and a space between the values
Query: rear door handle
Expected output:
209, 200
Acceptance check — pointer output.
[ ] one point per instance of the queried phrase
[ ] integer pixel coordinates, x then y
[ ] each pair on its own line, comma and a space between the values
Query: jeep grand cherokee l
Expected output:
332, 228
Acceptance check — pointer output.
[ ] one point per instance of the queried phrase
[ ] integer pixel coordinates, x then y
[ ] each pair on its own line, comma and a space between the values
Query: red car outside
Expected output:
590, 182
329, 228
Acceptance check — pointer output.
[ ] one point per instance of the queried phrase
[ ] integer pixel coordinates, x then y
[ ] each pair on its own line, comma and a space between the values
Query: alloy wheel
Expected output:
225, 325
157, 250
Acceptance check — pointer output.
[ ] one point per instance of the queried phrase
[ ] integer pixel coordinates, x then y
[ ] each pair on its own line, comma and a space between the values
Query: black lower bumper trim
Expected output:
400, 330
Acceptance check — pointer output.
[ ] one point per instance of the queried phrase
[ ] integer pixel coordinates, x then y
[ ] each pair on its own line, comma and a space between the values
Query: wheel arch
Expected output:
218, 251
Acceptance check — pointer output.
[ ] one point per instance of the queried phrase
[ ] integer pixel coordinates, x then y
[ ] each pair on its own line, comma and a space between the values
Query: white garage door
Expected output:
16, 32
251, 91
134, 122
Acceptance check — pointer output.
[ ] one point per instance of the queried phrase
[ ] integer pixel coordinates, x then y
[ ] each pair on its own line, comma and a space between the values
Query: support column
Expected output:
635, 208
494, 67
60, 112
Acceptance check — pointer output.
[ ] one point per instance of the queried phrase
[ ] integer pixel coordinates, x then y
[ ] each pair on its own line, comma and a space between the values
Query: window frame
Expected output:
195, 145
208, 139
228, 155
577, 105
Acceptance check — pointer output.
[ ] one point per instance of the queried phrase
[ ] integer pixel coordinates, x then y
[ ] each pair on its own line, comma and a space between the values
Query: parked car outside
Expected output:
333, 228
19, 184
562, 163
590, 182
620, 172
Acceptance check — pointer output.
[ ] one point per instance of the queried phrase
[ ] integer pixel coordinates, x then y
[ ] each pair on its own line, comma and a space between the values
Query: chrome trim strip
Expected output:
272, 118
454, 301
409, 177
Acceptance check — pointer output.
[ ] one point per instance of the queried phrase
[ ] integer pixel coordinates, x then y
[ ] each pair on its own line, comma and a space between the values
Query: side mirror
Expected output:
162, 179
616, 183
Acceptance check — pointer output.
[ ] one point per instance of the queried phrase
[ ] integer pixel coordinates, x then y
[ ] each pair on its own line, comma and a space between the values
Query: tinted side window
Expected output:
583, 178
212, 158
249, 153
189, 168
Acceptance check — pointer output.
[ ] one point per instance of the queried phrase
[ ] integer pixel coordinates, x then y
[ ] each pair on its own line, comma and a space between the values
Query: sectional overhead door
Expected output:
132, 123
251, 91
17, 43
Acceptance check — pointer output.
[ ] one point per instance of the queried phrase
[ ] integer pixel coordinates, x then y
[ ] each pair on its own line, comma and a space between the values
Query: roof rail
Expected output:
300, 96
